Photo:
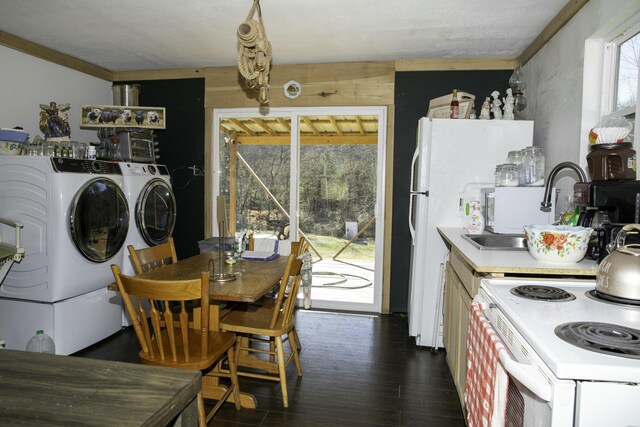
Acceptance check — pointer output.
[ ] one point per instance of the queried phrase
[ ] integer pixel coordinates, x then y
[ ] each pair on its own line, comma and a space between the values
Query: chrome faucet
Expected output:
545, 206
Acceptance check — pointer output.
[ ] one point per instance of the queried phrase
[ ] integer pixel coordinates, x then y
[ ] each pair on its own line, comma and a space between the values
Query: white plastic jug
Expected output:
41, 343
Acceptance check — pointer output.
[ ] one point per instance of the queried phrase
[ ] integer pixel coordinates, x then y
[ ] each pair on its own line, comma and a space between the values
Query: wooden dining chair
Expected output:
298, 248
146, 259
274, 323
174, 344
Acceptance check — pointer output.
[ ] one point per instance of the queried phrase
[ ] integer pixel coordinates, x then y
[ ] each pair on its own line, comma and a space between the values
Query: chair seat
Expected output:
251, 319
219, 344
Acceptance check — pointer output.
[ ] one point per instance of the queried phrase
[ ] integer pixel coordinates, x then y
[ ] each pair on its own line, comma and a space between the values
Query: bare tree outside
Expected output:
628, 65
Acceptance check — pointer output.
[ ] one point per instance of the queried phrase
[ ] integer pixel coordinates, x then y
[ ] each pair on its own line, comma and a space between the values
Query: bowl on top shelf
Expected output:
11, 141
557, 243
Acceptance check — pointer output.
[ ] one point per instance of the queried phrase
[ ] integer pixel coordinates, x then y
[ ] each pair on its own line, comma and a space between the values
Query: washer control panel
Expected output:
68, 165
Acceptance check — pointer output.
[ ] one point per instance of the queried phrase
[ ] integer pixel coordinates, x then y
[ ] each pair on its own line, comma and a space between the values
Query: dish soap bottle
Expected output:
475, 225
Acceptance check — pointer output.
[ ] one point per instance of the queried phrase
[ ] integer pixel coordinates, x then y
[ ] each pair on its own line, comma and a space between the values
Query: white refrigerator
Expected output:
451, 156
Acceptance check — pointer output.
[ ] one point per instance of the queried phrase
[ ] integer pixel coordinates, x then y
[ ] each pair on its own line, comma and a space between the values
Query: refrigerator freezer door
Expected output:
418, 213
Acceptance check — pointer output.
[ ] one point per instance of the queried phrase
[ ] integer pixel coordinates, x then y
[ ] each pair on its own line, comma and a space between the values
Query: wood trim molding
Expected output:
556, 24
445, 64
176, 73
33, 49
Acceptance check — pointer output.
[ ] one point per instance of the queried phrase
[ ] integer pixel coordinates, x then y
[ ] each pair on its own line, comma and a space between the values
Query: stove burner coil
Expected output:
600, 296
542, 293
605, 338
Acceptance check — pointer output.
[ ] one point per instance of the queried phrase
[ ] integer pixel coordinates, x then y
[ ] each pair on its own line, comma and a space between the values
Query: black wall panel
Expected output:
181, 146
413, 90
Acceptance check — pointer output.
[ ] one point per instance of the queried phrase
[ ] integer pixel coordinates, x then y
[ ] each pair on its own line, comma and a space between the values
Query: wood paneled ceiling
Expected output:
313, 130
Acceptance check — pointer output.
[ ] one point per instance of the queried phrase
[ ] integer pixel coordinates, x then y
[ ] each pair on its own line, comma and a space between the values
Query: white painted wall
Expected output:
554, 79
27, 81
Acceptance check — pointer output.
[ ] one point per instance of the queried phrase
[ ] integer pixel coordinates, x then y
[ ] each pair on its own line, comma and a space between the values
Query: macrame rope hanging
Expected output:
254, 53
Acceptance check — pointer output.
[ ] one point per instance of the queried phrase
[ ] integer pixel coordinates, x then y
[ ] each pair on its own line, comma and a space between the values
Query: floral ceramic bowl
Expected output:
557, 243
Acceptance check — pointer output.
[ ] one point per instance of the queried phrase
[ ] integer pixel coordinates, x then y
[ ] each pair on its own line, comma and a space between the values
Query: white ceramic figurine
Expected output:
495, 105
485, 111
508, 105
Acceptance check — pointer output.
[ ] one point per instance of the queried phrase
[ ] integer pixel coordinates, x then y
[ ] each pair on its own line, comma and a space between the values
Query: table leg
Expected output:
212, 389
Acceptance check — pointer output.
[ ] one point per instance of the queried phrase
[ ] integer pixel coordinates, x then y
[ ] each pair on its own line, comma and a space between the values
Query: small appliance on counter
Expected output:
509, 209
607, 206
139, 147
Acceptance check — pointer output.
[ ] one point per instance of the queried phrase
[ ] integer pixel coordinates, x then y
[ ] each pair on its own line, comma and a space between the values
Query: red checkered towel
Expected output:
487, 381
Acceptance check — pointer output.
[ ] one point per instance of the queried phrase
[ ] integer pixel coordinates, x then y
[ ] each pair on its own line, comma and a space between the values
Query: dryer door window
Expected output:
156, 212
99, 219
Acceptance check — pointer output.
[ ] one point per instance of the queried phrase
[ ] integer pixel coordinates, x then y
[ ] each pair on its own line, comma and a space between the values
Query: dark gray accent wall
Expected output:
181, 146
413, 90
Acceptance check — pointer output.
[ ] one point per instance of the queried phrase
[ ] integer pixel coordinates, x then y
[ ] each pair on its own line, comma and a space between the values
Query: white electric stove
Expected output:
589, 380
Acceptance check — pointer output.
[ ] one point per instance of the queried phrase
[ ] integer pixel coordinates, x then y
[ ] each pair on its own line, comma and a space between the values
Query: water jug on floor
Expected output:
41, 343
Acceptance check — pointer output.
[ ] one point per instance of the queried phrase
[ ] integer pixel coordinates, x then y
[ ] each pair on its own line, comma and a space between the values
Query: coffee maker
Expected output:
606, 206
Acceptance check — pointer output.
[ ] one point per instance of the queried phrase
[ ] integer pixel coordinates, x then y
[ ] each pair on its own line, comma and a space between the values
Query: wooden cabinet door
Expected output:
465, 310
452, 327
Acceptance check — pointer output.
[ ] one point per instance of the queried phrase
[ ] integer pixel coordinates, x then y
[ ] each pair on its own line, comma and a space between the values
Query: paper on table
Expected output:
259, 255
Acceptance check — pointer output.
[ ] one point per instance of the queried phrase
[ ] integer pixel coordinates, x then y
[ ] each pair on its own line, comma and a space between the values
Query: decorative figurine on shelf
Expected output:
54, 122
509, 103
495, 105
485, 111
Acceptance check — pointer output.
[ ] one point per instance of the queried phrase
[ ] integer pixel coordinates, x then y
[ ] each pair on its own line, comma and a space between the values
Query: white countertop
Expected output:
511, 261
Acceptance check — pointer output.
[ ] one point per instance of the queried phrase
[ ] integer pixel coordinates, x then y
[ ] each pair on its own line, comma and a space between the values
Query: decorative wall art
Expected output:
102, 116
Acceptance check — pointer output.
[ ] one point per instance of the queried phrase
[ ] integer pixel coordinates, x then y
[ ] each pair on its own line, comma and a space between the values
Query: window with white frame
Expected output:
611, 70
627, 75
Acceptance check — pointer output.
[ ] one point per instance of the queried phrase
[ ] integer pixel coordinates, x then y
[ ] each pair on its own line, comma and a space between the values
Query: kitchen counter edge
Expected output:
511, 262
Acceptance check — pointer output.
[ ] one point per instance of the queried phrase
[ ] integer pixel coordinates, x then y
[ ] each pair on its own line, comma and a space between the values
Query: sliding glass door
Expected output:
312, 172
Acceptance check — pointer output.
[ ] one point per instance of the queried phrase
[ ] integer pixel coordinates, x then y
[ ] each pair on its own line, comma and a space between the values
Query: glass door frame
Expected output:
294, 115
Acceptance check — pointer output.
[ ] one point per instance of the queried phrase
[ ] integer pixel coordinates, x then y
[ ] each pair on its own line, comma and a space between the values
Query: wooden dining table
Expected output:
47, 390
254, 278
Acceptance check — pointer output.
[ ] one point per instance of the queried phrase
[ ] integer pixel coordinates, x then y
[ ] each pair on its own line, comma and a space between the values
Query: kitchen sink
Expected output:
497, 242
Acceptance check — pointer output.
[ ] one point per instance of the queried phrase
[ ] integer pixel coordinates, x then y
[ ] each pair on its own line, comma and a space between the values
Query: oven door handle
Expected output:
527, 375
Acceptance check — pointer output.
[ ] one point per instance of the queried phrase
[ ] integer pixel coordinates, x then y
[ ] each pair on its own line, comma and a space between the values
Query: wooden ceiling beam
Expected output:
335, 125
310, 124
557, 23
264, 126
309, 140
360, 126
284, 123
39, 51
242, 126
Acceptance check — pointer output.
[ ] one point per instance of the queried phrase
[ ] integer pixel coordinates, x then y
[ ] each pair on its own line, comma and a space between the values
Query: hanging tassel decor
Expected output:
254, 53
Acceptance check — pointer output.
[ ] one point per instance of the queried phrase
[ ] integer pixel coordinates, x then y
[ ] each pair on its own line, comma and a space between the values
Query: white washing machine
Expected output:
76, 218
152, 205
153, 210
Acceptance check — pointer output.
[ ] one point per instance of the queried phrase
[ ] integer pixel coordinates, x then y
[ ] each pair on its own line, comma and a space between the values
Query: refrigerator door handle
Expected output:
412, 229
416, 193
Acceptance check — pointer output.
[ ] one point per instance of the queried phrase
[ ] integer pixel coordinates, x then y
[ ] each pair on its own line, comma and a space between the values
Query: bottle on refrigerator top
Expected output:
475, 225
41, 343
455, 105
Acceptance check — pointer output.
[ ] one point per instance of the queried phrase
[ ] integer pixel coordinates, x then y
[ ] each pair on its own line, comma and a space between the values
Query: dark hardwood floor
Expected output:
358, 370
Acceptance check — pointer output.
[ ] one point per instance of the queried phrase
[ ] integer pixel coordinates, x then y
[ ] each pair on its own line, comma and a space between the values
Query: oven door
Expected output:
535, 396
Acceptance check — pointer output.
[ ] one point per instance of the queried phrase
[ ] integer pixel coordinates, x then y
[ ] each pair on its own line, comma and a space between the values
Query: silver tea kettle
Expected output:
619, 272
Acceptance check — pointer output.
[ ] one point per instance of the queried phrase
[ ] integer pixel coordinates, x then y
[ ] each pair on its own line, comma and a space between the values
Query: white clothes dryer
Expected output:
152, 205
76, 219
